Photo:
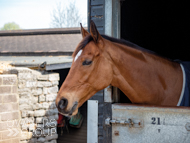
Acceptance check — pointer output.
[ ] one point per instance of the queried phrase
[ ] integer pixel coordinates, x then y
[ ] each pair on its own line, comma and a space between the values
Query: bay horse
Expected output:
100, 61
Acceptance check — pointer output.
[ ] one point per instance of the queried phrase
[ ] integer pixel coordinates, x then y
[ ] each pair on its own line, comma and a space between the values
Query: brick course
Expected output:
9, 109
9, 80
9, 98
4, 89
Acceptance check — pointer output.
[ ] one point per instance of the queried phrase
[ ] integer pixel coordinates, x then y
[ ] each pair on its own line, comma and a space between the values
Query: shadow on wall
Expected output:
38, 113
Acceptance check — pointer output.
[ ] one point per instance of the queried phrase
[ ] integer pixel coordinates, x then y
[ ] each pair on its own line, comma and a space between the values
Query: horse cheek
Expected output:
104, 79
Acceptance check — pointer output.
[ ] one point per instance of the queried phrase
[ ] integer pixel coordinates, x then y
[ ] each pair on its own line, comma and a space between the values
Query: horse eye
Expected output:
86, 62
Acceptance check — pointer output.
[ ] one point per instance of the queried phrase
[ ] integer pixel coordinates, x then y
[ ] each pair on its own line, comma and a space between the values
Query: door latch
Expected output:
131, 123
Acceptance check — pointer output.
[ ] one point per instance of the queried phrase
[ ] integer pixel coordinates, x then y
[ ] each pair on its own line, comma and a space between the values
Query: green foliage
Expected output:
11, 26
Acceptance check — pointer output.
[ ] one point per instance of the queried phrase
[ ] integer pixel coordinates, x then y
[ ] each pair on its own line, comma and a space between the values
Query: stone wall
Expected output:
9, 109
37, 93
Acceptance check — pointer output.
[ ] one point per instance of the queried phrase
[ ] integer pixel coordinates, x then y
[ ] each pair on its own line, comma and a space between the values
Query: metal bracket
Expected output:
41, 67
129, 122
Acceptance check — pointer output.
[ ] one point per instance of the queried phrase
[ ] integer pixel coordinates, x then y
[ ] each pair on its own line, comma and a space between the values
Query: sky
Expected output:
34, 14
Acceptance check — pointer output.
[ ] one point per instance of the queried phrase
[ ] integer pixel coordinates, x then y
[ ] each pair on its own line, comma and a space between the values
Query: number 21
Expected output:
155, 121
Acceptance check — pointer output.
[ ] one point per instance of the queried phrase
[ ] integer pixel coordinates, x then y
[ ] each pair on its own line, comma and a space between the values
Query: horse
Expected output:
99, 61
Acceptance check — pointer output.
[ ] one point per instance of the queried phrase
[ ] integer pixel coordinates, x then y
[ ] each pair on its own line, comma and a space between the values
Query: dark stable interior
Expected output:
160, 26
69, 134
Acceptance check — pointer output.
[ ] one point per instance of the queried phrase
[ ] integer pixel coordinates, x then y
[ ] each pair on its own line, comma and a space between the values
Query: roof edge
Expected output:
58, 53
75, 30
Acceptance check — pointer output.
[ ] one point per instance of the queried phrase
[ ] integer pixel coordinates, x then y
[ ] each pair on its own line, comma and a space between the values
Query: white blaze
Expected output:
78, 55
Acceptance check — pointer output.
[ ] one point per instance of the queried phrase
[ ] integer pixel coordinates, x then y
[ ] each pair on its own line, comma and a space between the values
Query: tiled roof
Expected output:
37, 41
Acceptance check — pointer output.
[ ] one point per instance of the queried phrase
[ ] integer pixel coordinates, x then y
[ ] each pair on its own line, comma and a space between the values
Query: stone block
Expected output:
24, 76
55, 83
17, 140
9, 116
32, 127
37, 106
9, 98
39, 120
54, 77
27, 120
37, 91
26, 113
44, 84
41, 139
33, 140
39, 113
51, 97
8, 124
51, 112
35, 99
45, 105
31, 84
52, 105
45, 90
8, 107
16, 133
41, 98
23, 101
24, 127
53, 137
14, 89
53, 117
26, 107
30, 113
53, 89
46, 122
40, 126
26, 135
38, 133
49, 131
50, 124
22, 82
44, 77
25, 90
9, 79
26, 95
5, 89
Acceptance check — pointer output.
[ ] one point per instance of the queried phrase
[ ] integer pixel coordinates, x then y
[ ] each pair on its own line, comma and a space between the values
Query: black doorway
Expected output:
160, 26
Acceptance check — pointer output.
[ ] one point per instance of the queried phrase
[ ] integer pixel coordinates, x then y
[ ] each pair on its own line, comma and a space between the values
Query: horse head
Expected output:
90, 72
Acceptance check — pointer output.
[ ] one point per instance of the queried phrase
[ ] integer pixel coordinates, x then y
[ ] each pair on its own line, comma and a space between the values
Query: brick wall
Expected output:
37, 92
9, 110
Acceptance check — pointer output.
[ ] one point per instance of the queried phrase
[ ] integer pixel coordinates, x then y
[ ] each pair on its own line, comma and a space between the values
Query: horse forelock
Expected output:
82, 44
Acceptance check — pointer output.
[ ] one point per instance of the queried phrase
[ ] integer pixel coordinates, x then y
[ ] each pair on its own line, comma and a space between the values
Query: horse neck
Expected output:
144, 77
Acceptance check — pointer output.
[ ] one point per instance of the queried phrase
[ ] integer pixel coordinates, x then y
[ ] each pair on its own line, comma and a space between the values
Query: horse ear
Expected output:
94, 32
83, 31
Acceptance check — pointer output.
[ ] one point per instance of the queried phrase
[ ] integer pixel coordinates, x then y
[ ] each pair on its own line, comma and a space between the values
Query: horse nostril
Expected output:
63, 103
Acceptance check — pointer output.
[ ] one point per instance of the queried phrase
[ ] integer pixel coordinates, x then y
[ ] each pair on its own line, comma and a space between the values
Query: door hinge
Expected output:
131, 123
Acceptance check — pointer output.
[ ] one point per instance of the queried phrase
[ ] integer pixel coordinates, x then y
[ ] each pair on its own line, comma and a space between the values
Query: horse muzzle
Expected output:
62, 106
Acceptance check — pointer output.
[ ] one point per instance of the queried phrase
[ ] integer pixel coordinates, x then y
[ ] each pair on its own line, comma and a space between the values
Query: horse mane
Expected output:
89, 38
127, 43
